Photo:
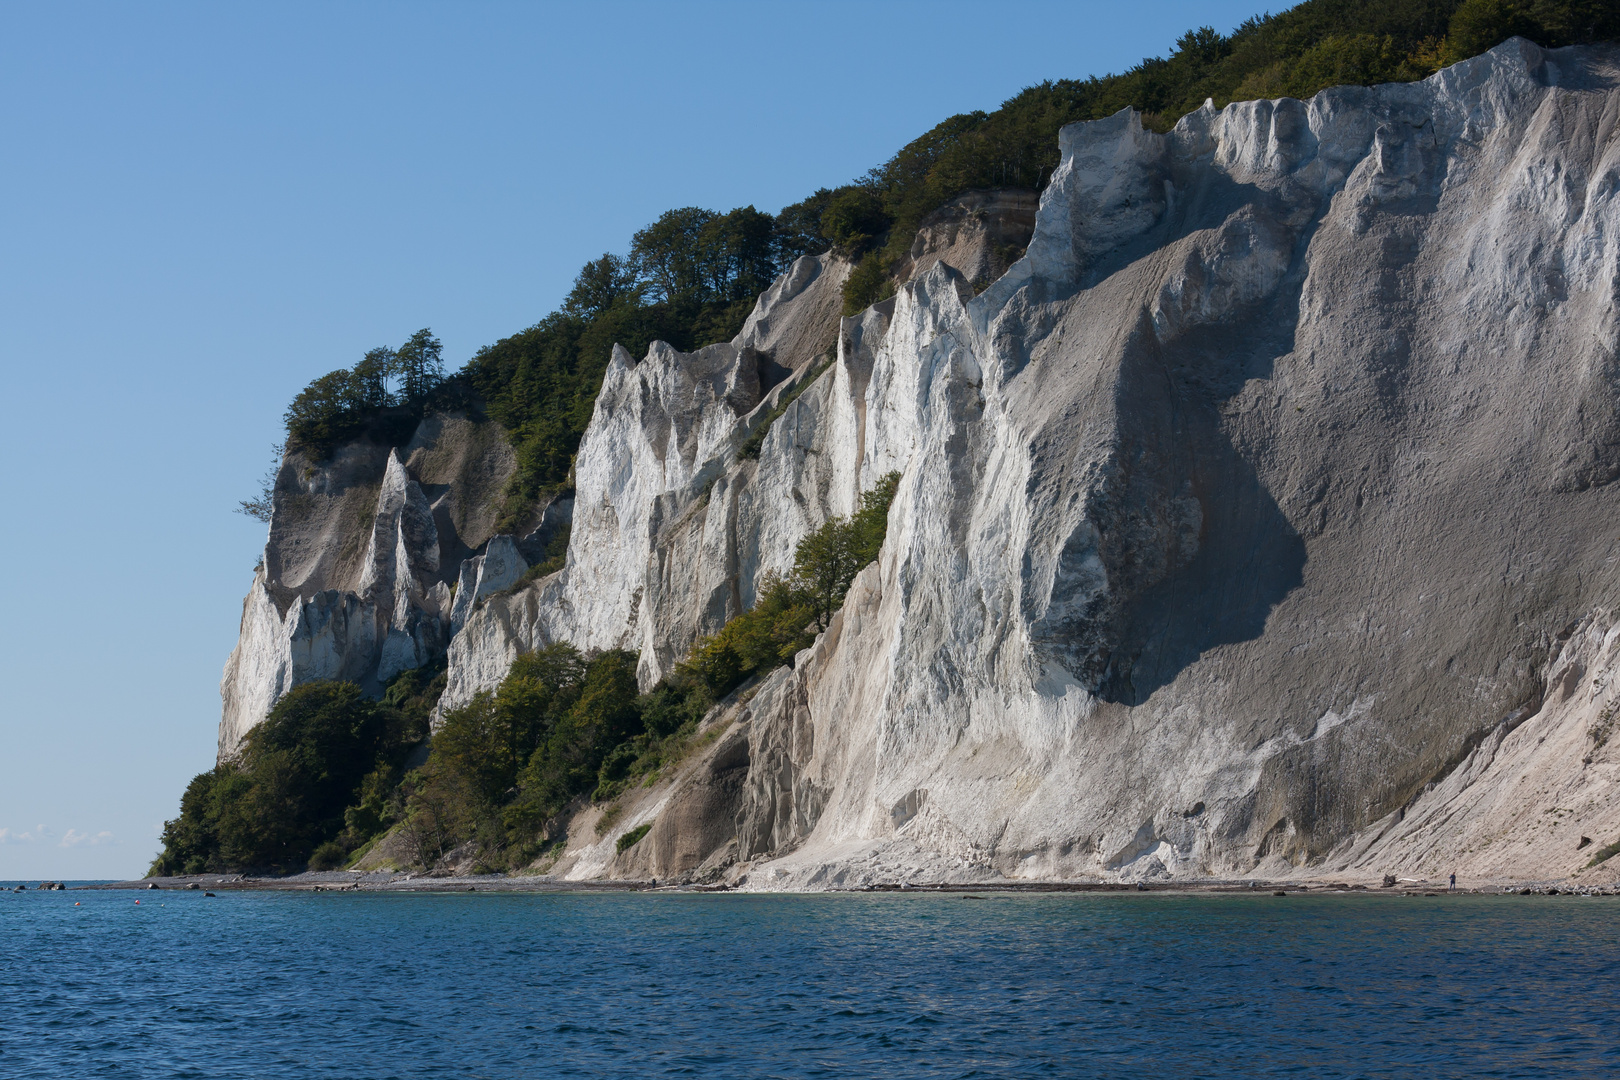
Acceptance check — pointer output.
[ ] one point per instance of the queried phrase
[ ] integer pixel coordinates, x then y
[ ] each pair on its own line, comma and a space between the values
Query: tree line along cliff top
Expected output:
692, 277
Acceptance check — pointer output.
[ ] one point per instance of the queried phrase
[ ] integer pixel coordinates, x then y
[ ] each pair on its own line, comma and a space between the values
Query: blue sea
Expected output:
357, 985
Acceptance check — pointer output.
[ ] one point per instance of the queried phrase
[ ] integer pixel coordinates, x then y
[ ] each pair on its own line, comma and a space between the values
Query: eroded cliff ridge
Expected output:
1247, 523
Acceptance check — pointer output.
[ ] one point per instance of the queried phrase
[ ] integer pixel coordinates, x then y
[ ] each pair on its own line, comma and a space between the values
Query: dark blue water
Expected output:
525, 985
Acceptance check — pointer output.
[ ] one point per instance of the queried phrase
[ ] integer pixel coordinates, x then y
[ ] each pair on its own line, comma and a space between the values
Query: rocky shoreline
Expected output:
346, 881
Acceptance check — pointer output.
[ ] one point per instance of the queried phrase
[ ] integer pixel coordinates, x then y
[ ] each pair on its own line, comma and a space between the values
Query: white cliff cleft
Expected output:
402, 557
500, 567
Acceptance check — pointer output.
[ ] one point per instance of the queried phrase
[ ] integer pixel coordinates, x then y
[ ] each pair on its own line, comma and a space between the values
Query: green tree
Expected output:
371, 377
479, 746
738, 255
287, 791
824, 564
867, 284
419, 363
487, 742
602, 284
854, 217
262, 507
323, 412
797, 229
669, 253
604, 715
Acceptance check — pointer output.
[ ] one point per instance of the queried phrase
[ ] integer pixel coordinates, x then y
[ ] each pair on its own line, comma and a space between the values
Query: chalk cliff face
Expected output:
354, 583
671, 531
1252, 522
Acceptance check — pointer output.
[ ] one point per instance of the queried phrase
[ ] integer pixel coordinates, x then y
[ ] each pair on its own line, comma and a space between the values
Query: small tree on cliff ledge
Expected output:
419, 363
825, 562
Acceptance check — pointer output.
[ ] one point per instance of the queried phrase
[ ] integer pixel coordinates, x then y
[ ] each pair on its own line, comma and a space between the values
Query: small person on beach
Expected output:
1452, 886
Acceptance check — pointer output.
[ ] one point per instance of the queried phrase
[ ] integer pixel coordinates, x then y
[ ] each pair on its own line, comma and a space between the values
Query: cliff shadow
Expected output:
1248, 556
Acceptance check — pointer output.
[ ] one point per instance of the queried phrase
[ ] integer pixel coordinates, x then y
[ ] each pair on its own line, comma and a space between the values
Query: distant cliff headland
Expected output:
1197, 472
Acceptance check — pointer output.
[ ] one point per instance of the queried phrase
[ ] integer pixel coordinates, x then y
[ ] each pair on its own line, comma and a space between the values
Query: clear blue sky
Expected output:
203, 207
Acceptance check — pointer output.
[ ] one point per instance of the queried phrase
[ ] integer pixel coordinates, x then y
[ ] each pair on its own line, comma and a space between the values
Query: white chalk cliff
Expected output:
1254, 521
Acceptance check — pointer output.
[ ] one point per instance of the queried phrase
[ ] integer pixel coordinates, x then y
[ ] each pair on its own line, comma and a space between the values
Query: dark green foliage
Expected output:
329, 856
696, 256
764, 637
633, 837
324, 413
506, 767
567, 763
670, 714
855, 215
415, 693
371, 377
825, 562
867, 284
482, 746
798, 229
342, 404
603, 284
419, 363
677, 702
325, 749
508, 763
191, 841
1479, 24
669, 253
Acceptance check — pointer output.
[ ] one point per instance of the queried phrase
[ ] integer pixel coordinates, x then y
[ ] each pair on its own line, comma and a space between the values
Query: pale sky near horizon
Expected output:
202, 207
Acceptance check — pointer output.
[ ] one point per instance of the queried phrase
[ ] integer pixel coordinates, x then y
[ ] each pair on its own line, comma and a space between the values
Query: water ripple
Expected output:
270, 985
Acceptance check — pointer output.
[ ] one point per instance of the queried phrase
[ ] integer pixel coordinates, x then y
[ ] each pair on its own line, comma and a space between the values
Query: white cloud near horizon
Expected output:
44, 834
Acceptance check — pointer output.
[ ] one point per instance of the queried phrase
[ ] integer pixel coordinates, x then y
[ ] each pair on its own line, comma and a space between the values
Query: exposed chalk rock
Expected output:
1187, 574
978, 235
500, 567
353, 581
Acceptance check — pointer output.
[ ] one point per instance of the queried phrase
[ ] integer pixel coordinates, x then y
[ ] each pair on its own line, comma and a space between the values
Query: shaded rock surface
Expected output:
979, 235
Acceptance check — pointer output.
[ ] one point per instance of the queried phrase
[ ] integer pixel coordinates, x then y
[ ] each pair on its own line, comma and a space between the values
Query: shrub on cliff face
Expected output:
867, 284
506, 763
791, 610
317, 766
766, 636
